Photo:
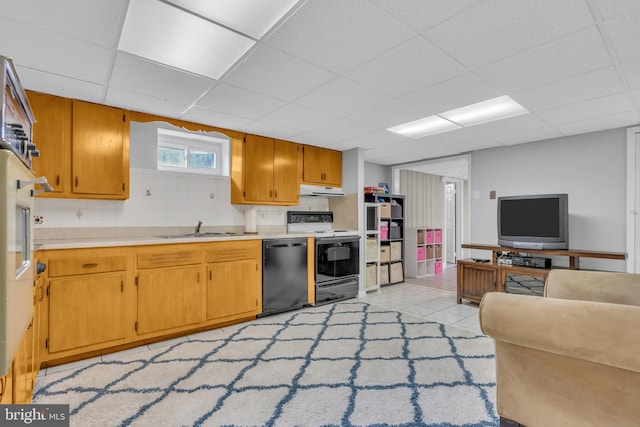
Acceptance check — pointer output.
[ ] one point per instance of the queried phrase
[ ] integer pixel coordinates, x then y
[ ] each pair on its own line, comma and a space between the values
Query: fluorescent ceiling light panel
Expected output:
485, 111
422, 127
251, 17
170, 36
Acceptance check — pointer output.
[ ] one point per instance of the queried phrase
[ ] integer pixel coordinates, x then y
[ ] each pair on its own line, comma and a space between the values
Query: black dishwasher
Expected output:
284, 275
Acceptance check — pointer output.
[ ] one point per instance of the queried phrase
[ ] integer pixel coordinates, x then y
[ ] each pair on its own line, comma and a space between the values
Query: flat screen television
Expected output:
538, 221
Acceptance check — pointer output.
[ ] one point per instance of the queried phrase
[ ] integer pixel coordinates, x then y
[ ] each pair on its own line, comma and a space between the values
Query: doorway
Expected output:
450, 221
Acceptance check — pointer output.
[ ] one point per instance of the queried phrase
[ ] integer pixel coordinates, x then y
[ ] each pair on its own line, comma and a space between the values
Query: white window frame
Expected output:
189, 142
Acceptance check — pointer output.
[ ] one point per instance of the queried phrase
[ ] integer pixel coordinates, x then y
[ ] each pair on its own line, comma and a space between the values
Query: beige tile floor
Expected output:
432, 297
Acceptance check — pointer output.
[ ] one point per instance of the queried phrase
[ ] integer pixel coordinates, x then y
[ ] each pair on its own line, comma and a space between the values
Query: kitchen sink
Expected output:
196, 235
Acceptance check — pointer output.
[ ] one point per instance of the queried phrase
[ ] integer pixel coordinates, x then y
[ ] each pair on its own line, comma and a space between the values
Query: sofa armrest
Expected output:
602, 333
603, 286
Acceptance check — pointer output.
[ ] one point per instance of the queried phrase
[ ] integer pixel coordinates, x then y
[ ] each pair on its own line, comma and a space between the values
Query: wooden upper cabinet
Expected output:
84, 147
52, 136
322, 166
258, 161
286, 181
265, 171
100, 150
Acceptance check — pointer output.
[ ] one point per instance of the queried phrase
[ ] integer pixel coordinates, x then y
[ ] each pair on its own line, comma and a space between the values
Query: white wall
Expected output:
589, 167
375, 174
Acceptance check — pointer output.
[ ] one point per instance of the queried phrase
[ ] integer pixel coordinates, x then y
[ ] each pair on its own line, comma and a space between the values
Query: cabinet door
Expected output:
100, 150
169, 298
285, 171
232, 289
85, 311
332, 161
475, 280
258, 169
322, 166
52, 136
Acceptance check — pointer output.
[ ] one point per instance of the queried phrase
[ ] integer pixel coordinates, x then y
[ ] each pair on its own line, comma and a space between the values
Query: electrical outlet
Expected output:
38, 219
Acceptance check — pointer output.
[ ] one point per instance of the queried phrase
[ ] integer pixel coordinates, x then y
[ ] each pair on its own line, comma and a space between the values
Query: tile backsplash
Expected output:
159, 198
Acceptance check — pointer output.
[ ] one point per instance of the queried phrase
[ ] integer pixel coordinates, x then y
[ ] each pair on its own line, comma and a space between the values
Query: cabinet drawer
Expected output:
86, 265
233, 251
169, 257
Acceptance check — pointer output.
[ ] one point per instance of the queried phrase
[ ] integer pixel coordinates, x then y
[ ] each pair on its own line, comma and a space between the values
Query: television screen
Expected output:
530, 217
534, 222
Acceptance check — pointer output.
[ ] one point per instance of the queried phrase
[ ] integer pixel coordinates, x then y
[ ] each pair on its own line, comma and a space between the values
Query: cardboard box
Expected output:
430, 252
396, 273
384, 274
371, 248
396, 251
437, 236
385, 253
385, 210
372, 276
438, 251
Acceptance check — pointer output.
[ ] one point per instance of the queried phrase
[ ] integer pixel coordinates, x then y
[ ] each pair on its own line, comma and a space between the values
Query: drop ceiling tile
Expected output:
144, 103
457, 92
336, 131
91, 22
32, 47
532, 136
386, 114
424, 14
611, 8
625, 33
239, 102
495, 29
277, 74
414, 64
592, 108
573, 54
215, 118
251, 17
594, 84
339, 35
342, 97
269, 129
377, 140
502, 130
297, 117
631, 70
53, 84
135, 74
600, 123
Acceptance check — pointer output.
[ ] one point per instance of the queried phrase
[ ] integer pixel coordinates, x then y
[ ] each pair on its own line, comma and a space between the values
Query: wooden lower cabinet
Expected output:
169, 299
475, 279
234, 280
97, 300
86, 312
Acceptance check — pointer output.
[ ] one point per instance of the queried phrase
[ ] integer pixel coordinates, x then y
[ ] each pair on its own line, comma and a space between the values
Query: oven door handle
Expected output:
41, 181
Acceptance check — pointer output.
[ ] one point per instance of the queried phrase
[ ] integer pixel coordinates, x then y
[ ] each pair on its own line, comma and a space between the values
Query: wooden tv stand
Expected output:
475, 278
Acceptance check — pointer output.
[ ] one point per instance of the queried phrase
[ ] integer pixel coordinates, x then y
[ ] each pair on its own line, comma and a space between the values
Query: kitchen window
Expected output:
190, 152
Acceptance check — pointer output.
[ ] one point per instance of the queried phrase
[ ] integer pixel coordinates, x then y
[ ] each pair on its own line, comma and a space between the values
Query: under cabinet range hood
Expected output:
320, 191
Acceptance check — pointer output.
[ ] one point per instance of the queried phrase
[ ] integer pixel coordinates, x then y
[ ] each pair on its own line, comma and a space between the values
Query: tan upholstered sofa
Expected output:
572, 357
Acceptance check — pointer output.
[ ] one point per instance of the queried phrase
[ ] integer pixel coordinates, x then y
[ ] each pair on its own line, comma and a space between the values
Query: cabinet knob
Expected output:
57, 180
76, 181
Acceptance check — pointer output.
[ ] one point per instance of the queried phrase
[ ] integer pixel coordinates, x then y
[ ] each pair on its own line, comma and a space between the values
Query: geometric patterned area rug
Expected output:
343, 364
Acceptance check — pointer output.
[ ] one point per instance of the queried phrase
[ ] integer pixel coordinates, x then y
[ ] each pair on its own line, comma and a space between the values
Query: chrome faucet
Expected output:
198, 227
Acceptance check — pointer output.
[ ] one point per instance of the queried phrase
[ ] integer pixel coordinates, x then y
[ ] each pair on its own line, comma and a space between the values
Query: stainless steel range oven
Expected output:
337, 254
